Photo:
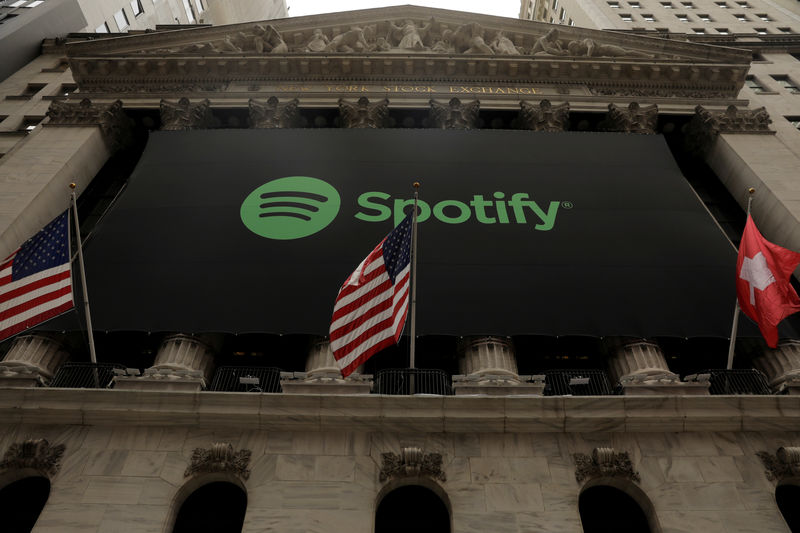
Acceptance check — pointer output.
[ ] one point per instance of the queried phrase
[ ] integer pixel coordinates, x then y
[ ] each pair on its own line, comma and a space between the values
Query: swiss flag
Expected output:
762, 282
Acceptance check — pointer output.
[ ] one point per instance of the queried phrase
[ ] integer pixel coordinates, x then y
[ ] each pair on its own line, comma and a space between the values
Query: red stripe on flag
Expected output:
361, 300
32, 286
34, 320
361, 359
34, 302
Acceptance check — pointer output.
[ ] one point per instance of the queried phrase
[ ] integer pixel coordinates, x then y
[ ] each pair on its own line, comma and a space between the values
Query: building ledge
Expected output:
300, 412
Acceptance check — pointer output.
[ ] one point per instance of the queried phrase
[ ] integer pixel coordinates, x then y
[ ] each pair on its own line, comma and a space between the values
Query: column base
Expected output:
303, 383
162, 380
497, 385
667, 384
21, 375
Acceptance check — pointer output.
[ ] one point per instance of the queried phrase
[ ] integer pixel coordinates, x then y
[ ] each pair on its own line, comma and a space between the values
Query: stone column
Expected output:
183, 362
32, 360
70, 148
782, 366
322, 375
641, 368
488, 365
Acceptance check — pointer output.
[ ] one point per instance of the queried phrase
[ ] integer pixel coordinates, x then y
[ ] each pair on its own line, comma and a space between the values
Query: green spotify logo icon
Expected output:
290, 208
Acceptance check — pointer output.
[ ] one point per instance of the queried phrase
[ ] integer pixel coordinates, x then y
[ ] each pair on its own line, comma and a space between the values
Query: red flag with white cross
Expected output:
762, 281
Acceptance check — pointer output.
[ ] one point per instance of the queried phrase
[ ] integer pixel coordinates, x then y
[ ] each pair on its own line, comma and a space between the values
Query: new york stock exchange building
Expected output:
580, 191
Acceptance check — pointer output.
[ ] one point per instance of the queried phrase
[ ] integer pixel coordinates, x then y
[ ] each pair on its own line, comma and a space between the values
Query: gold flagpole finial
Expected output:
751, 191
416, 185
73, 185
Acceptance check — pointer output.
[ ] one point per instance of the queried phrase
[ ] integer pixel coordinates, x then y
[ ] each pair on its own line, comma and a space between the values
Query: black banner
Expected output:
521, 233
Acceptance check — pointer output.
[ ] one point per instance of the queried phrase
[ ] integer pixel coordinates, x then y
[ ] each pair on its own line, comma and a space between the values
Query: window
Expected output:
787, 83
121, 19
35, 3
704, 18
764, 17
794, 121
743, 5
613, 5
136, 7
7, 17
626, 17
634, 5
571, 22
604, 508
216, 506
785, 30
29, 124
699, 31
30, 90
201, 7
760, 31
682, 17
741, 18
722, 5
687, 5
648, 18
18, 3
754, 84
667, 5
102, 28
430, 511
722, 31
190, 12
563, 14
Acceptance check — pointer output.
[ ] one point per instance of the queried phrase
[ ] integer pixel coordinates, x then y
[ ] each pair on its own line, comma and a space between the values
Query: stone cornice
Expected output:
398, 413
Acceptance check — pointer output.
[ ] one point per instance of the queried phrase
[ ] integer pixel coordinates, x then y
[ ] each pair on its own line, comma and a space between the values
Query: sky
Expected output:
502, 8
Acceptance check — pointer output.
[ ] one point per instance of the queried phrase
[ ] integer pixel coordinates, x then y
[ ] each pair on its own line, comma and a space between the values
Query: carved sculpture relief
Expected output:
407, 35
272, 114
219, 458
362, 114
784, 465
604, 462
184, 115
503, 45
111, 118
455, 115
705, 126
549, 44
412, 462
544, 117
634, 119
37, 454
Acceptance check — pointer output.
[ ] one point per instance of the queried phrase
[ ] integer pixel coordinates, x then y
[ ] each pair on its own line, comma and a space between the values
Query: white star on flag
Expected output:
756, 272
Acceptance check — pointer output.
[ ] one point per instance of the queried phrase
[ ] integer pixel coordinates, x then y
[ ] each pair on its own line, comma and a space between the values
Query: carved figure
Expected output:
443, 47
363, 114
412, 462
268, 39
318, 42
381, 45
503, 45
590, 48
468, 39
221, 457
548, 44
634, 119
184, 115
544, 117
273, 114
455, 115
408, 36
348, 42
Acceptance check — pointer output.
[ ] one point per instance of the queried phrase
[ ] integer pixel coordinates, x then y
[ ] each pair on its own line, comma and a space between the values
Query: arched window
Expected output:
604, 508
21, 502
412, 508
788, 498
216, 507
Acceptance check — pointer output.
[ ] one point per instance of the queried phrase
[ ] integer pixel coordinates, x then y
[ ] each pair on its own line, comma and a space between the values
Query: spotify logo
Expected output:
290, 208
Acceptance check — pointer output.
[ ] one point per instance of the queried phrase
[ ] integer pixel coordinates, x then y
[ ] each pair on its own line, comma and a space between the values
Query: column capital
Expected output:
272, 114
454, 115
363, 114
113, 122
633, 119
707, 125
543, 117
184, 115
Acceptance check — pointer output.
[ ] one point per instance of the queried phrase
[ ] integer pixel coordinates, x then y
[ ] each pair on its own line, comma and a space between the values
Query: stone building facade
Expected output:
502, 453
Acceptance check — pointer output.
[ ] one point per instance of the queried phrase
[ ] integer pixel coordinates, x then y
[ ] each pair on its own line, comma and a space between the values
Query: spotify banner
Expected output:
520, 233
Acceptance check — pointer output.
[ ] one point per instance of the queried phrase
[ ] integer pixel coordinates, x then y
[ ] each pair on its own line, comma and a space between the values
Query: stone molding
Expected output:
363, 114
32, 360
184, 115
604, 462
784, 465
111, 118
272, 114
543, 117
412, 462
37, 454
454, 115
634, 119
781, 365
221, 457
706, 126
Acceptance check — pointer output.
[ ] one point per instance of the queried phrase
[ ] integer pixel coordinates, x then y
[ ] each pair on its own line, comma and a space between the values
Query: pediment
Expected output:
411, 42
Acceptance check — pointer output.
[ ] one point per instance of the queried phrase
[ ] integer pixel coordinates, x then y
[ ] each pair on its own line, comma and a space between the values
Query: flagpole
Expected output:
92, 353
414, 278
734, 328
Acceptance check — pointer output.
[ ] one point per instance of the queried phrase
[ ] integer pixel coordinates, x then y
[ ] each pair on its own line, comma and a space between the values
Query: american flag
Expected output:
36, 281
370, 310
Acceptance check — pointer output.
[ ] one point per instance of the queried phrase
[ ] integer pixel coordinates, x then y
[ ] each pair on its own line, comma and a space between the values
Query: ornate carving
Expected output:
273, 114
544, 117
455, 115
503, 45
705, 126
34, 453
261, 39
604, 462
219, 458
363, 114
183, 115
408, 36
467, 39
352, 40
317, 43
412, 462
785, 464
111, 118
549, 44
659, 91
635, 119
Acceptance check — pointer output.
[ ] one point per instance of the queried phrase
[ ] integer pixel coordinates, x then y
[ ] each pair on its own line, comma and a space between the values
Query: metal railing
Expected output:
86, 375
589, 382
246, 379
408, 381
737, 382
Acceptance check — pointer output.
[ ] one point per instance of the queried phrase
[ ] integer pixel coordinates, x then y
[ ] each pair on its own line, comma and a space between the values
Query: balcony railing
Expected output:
590, 382
407, 381
737, 382
86, 375
246, 379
